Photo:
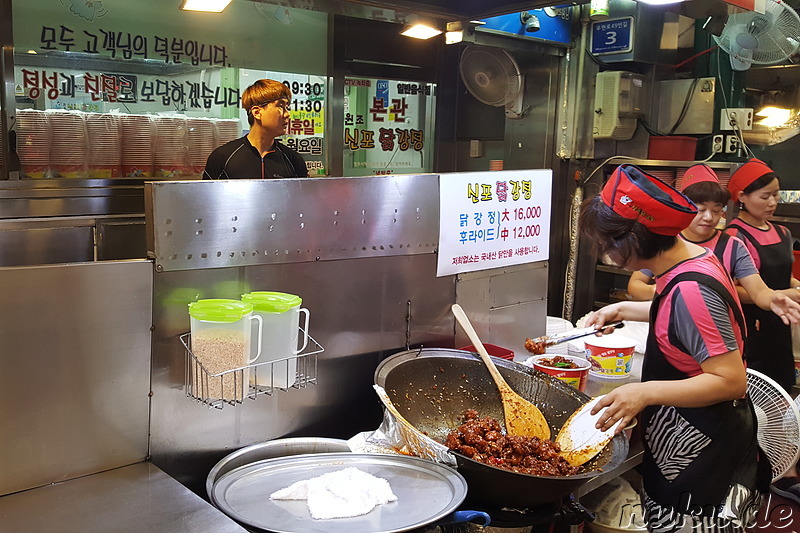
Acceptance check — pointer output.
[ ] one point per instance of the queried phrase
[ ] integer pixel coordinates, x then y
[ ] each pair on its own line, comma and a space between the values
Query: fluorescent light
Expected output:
773, 116
453, 37
210, 6
421, 31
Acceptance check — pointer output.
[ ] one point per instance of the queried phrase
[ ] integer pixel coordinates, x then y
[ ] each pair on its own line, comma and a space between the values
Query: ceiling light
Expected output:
773, 116
421, 31
210, 6
453, 37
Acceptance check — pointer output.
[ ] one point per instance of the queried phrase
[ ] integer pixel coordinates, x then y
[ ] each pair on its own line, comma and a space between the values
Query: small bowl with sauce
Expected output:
570, 369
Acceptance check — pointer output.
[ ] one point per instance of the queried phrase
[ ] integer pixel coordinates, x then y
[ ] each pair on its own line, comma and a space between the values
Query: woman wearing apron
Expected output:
769, 341
702, 467
701, 185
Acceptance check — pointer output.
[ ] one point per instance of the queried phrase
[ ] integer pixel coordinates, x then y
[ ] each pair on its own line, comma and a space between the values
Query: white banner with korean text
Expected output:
493, 219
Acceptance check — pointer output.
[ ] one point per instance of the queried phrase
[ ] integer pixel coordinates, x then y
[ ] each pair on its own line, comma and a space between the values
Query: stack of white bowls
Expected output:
103, 150
136, 135
68, 148
228, 129
33, 143
170, 146
556, 326
201, 132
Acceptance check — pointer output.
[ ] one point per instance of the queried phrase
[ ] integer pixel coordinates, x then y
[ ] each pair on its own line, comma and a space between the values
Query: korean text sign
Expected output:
493, 219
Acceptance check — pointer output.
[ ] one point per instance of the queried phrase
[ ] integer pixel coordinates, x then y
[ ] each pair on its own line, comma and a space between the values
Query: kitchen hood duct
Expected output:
407, 12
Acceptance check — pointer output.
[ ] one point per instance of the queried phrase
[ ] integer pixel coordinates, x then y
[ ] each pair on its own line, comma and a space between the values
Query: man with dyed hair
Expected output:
259, 155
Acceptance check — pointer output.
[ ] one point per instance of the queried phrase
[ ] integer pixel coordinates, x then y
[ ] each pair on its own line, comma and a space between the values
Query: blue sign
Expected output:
382, 91
612, 36
553, 23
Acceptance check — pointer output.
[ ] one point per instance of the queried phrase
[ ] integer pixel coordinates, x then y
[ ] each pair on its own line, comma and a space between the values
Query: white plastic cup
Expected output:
221, 342
276, 367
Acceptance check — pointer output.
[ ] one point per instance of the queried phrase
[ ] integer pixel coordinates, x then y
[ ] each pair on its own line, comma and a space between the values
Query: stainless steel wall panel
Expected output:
46, 245
506, 306
232, 223
67, 197
362, 310
76, 370
358, 251
122, 238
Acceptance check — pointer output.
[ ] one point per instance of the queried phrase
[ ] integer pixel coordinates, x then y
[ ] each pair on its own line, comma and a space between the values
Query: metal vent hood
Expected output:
405, 12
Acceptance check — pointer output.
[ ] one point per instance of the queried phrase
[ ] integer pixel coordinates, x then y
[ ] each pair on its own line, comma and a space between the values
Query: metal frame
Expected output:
7, 103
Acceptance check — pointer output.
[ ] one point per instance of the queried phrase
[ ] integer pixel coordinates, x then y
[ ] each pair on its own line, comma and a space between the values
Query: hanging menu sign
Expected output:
493, 219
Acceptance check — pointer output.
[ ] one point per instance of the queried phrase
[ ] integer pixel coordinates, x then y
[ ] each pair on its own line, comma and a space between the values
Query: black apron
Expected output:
719, 250
692, 456
768, 345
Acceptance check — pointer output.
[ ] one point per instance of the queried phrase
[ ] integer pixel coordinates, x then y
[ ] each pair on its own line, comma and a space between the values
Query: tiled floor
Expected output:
778, 515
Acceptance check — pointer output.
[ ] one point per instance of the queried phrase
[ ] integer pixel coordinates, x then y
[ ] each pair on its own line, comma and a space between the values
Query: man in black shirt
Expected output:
259, 154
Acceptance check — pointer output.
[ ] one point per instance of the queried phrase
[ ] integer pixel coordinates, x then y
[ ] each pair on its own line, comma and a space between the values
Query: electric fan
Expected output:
492, 76
761, 38
778, 422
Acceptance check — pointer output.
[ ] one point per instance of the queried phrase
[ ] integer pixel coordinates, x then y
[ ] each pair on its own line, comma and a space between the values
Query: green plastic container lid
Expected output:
219, 310
272, 302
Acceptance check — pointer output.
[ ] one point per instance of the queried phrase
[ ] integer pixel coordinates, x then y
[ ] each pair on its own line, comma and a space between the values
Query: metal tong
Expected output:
575, 334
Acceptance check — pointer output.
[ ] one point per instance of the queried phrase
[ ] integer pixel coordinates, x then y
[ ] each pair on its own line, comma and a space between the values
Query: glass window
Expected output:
388, 127
115, 88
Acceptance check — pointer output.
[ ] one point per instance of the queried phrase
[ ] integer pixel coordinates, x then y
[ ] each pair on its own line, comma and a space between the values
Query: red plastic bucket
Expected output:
493, 350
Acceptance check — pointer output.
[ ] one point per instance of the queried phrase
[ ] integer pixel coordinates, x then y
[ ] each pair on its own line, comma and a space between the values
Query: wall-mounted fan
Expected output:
761, 38
492, 76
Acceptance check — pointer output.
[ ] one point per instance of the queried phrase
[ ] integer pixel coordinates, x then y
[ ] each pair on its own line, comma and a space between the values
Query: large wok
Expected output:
433, 387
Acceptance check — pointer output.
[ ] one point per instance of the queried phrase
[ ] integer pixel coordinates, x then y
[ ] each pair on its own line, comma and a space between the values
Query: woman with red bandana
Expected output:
701, 185
769, 341
702, 467
768, 344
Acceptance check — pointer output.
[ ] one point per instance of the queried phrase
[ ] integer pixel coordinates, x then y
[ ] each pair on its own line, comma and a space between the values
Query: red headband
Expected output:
747, 174
636, 195
698, 174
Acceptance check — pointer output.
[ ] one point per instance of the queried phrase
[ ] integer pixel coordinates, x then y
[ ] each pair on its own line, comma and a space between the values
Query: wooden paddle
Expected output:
522, 417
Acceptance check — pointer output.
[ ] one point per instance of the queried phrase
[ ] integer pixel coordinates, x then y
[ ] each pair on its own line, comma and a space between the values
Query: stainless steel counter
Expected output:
133, 499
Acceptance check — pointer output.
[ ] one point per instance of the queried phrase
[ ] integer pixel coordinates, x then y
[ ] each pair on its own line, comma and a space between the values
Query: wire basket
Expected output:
233, 386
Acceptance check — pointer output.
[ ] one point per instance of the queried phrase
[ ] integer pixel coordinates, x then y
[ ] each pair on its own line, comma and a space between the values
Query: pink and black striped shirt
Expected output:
697, 316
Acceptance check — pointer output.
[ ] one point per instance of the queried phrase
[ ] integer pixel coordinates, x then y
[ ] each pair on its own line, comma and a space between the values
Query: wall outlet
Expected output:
475, 148
731, 144
742, 118
717, 143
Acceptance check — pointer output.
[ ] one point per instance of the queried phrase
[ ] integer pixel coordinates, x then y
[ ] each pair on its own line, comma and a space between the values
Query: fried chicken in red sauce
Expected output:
535, 347
557, 362
482, 439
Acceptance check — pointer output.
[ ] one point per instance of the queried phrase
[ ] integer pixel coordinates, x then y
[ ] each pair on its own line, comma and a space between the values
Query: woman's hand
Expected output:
623, 403
784, 304
793, 293
639, 311
604, 315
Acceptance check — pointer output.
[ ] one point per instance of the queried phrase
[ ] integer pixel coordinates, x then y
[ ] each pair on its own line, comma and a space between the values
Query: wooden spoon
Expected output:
522, 417
579, 439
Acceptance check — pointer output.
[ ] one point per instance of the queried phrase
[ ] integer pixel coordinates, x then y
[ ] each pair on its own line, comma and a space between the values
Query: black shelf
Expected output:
613, 270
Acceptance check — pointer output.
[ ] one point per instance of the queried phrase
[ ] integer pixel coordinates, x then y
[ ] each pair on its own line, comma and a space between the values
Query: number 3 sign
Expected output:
612, 36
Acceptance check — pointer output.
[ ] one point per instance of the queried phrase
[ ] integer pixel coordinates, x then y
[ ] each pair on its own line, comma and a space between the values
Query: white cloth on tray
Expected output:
341, 494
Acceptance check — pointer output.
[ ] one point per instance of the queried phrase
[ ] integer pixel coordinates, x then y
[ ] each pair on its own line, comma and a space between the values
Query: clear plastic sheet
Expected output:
397, 433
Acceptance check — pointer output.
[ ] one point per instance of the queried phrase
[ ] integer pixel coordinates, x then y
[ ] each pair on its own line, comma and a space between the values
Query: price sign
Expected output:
493, 219
612, 36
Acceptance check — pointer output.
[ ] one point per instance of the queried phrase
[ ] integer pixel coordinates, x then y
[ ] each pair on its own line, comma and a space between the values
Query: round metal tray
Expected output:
270, 450
426, 492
